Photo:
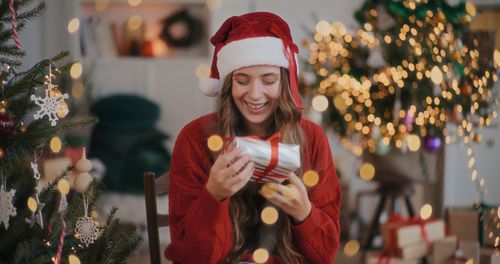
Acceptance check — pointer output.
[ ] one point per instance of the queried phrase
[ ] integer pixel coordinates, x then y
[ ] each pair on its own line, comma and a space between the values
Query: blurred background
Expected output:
406, 90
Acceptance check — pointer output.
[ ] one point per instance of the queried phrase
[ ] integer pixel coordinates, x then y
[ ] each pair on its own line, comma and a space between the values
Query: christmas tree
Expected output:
50, 223
411, 77
409, 71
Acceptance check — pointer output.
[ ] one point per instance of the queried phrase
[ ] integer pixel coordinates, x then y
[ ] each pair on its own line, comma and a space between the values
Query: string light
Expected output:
426, 211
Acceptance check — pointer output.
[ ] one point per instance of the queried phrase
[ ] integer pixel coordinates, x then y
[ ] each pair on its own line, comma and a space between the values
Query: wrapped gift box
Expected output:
382, 258
462, 221
444, 249
399, 233
490, 256
414, 252
288, 158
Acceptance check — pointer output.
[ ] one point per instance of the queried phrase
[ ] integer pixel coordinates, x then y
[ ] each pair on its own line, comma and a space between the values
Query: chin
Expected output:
257, 119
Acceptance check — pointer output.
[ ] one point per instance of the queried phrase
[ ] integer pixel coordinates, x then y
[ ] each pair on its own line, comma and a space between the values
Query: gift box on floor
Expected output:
273, 160
462, 220
399, 233
384, 258
490, 256
442, 249
451, 250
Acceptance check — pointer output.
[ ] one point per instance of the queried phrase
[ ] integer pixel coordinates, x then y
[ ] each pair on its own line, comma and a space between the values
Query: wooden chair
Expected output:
153, 187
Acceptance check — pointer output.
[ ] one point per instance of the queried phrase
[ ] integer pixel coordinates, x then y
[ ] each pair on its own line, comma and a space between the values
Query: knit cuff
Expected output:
211, 203
305, 230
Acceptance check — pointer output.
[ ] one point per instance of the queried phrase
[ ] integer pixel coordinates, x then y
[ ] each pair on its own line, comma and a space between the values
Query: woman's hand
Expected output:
292, 199
229, 174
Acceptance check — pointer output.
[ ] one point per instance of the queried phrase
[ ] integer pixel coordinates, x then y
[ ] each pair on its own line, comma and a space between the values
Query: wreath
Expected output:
181, 29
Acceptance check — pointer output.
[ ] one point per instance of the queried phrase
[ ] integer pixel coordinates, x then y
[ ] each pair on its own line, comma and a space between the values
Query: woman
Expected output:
214, 207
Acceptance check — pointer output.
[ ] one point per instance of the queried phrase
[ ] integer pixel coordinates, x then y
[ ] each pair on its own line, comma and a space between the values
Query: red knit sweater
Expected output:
200, 225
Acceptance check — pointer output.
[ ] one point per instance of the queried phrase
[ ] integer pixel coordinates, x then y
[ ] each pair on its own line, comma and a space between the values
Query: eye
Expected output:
242, 82
269, 82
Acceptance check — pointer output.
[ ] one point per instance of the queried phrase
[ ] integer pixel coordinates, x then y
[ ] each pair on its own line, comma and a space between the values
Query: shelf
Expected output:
108, 32
147, 2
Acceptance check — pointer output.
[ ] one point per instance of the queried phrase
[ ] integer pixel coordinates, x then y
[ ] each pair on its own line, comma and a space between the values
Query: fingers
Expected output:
242, 178
275, 197
238, 165
295, 180
290, 192
227, 158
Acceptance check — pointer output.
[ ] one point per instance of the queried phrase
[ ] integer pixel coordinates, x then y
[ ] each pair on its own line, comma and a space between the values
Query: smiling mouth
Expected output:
255, 107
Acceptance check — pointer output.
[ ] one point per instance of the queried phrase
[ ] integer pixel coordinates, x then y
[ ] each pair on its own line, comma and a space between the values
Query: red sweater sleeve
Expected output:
200, 226
317, 238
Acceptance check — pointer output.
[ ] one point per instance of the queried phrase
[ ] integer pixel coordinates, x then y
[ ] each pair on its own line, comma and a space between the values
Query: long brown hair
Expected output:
249, 233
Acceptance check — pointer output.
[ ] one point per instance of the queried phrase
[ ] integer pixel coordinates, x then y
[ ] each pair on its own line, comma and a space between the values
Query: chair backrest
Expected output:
152, 187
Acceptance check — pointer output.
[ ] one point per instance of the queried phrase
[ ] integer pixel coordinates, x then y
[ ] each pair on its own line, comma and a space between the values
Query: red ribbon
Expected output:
290, 49
274, 141
383, 258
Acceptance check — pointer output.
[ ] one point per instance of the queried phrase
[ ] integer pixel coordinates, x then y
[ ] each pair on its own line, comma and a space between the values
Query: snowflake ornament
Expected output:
86, 230
48, 104
7, 208
36, 172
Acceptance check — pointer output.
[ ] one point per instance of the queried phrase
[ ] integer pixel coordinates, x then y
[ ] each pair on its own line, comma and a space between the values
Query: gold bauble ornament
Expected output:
55, 92
63, 186
2, 153
62, 109
477, 138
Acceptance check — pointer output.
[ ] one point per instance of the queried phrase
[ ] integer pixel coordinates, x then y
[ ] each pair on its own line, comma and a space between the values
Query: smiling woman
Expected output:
255, 91
216, 209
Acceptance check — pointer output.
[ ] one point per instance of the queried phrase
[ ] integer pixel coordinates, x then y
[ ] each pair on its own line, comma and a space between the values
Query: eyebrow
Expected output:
272, 74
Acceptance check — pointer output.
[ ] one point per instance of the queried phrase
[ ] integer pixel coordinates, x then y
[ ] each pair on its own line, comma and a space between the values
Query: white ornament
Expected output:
82, 182
376, 58
87, 230
48, 104
63, 205
7, 208
36, 172
84, 165
310, 78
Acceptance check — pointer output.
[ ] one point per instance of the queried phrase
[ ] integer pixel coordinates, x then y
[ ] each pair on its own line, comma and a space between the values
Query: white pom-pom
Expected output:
210, 87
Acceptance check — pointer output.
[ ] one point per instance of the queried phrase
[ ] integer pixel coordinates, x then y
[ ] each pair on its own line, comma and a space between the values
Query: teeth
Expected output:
255, 106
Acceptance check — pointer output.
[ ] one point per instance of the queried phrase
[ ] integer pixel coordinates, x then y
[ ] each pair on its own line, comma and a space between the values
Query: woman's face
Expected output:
255, 90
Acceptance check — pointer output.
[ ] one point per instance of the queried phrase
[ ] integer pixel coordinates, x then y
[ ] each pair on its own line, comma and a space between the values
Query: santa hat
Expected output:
258, 38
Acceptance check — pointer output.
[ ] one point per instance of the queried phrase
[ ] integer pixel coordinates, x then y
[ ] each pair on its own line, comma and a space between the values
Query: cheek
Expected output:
273, 92
236, 91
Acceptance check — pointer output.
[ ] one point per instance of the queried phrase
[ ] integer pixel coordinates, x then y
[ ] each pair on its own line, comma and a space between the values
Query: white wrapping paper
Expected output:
260, 152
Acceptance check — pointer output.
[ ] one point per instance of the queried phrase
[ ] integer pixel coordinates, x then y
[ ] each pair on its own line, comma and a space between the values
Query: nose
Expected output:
254, 90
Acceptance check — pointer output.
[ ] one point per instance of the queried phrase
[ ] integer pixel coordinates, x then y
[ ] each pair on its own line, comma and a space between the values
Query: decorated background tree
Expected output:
408, 72
413, 75
52, 223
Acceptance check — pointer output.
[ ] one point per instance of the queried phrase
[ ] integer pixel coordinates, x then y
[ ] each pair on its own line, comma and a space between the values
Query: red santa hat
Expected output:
258, 38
